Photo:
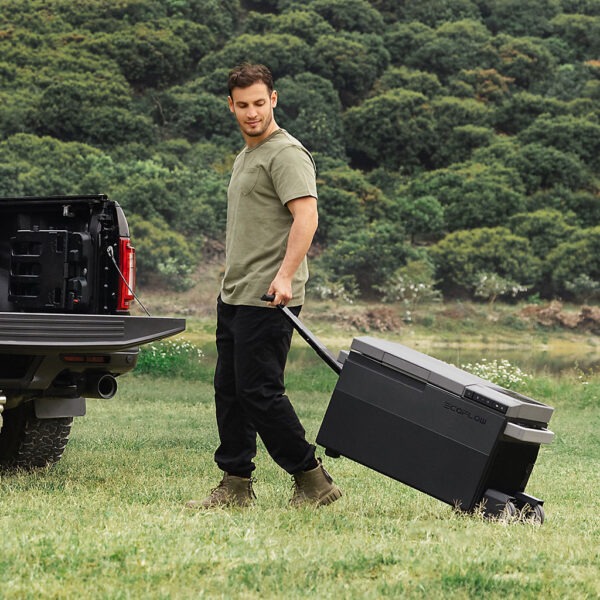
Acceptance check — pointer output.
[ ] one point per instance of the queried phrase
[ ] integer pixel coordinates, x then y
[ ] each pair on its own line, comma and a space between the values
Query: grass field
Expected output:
108, 522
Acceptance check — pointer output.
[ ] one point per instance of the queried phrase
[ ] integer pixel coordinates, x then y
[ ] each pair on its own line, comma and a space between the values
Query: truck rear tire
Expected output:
28, 443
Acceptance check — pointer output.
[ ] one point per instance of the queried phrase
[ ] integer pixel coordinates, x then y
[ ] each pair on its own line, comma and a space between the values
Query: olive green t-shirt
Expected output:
264, 178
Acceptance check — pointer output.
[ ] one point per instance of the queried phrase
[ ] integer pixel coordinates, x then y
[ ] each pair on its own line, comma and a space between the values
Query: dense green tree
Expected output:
520, 110
151, 55
545, 229
526, 60
163, 255
461, 255
304, 24
454, 46
205, 195
420, 216
309, 106
220, 16
404, 39
582, 203
388, 9
191, 112
581, 32
448, 124
460, 126
472, 194
207, 171
18, 113
425, 83
569, 134
349, 15
436, 12
539, 167
370, 255
153, 190
386, 180
484, 85
520, 18
460, 143
543, 167
284, 54
584, 7
569, 81
31, 62
35, 17
580, 255
352, 62
73, 109
46, 166
340, 213
98, 14
393, 130
188, 194
347, 202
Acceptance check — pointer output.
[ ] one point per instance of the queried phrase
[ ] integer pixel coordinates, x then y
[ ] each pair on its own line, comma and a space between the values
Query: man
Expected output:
271, 220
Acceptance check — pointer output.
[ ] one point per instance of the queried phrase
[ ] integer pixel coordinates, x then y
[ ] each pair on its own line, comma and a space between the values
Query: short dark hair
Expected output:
247, 74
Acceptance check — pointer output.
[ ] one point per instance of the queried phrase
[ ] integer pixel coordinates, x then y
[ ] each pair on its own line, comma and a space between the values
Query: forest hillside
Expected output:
457, 141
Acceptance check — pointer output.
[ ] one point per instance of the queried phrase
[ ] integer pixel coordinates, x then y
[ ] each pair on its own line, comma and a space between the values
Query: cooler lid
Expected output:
448, 377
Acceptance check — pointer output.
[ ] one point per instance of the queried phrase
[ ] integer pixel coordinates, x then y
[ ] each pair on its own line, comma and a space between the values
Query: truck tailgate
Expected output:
83, 332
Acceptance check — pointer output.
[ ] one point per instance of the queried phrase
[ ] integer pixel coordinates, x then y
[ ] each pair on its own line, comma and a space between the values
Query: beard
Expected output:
257, 132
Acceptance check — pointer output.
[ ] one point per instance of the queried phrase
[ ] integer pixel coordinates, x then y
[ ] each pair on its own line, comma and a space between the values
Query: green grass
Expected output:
107, 521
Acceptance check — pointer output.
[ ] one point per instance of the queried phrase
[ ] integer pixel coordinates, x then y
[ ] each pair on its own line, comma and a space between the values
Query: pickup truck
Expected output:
67, 278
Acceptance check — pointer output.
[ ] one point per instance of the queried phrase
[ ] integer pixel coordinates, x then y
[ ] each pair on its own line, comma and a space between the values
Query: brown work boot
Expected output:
314, 487
232, 491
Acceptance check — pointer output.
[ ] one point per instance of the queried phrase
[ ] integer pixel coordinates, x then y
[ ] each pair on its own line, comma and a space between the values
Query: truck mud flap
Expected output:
35, 331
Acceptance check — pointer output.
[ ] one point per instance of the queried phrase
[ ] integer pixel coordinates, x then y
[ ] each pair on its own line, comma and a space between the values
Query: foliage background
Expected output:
462, 135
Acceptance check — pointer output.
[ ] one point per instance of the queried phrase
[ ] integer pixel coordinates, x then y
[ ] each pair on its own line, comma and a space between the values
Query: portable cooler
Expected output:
437, 428
433, 426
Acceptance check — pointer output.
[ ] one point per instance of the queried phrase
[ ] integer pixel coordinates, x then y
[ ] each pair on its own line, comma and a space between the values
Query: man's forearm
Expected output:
299, 241
302, 231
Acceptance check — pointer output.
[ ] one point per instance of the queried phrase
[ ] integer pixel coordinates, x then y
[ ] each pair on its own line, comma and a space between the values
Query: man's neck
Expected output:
252, 142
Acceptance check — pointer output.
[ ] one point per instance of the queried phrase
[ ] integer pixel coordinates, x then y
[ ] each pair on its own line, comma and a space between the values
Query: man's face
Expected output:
253, 108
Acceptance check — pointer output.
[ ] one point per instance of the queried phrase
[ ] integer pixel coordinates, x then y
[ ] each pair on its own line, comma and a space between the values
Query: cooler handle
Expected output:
307, 335
527, 434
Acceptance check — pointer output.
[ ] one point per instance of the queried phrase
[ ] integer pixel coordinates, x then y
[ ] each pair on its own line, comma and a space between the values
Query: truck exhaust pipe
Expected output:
100, 386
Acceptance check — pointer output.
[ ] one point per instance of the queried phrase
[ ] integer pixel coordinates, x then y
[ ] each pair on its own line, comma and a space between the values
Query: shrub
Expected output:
578, 256
583, 287
170, 358
501, 372
325, 288
544, 228
492, 285
472, 194
161, 253
371, 255
411, 284
463, 254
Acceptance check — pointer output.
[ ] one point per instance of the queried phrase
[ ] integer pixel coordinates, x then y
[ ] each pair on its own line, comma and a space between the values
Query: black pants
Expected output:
252, 345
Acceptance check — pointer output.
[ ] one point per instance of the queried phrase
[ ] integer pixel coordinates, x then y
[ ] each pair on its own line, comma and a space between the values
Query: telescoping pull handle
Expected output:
307, 335
268, 298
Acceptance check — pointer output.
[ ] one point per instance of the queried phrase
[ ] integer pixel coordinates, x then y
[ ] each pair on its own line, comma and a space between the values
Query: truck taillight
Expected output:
127, 266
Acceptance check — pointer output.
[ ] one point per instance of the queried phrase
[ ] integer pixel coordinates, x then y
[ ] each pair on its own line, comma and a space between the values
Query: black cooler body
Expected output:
437, 428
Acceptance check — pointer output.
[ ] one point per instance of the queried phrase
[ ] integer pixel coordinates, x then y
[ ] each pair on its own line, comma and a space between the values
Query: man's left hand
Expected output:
281, 287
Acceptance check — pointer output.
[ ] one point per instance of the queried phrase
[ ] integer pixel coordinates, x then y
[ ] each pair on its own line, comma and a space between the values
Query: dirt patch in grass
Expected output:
587, 318
380, 318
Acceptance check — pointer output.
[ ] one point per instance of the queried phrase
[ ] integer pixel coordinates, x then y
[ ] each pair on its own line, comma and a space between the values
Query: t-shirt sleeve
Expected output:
293, 174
